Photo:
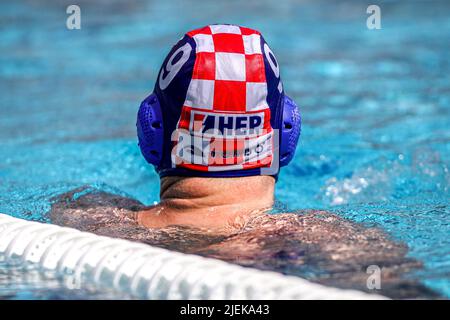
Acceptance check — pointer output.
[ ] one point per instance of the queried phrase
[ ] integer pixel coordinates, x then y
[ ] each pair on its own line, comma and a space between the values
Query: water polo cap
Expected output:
218, 108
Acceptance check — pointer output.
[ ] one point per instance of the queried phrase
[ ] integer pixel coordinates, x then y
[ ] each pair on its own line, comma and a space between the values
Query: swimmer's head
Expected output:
218, 108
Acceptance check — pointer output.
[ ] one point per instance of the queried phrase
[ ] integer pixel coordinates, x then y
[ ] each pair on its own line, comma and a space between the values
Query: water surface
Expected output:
376, 109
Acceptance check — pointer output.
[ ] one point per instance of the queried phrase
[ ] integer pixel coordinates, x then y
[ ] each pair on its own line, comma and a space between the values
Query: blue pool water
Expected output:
376, 107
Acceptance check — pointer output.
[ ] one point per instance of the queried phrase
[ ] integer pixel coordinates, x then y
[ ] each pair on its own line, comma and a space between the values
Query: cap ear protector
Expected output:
290, 128
150, 130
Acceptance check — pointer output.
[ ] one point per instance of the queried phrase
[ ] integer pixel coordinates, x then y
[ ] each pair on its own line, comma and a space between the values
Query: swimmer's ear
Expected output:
290, 131
150, 130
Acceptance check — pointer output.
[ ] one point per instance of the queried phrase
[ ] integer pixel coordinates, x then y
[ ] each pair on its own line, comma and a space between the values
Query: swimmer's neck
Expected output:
211, 203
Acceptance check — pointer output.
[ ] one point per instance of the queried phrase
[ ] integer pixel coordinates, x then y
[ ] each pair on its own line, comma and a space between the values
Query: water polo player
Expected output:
217, 128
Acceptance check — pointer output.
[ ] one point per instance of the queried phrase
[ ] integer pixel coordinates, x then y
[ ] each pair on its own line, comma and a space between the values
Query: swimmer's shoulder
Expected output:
87, 206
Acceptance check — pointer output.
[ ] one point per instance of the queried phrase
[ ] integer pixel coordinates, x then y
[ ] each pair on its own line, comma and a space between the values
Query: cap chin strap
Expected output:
150, 131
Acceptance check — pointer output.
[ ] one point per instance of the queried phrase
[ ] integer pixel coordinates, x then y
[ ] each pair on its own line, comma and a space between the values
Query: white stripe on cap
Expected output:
252, 44
230, 66
224, 28
200, 94
204, 43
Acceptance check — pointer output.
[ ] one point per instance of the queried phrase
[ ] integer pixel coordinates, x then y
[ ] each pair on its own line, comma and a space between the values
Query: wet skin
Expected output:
318, 245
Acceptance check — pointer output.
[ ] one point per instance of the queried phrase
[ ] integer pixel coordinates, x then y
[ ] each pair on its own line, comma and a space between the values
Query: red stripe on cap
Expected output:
228, 42
247, 31
254, 68
205, 66
185, 118
229, 96
204, 30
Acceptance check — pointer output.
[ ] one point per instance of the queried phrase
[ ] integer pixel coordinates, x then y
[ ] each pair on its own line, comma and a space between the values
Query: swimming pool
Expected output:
375, 142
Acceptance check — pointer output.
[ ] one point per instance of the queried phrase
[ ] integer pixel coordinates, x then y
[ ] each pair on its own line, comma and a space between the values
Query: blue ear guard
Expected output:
150, 130
290, 131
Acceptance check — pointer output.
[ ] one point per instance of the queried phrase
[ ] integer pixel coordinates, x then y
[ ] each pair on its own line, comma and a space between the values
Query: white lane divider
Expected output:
148, 272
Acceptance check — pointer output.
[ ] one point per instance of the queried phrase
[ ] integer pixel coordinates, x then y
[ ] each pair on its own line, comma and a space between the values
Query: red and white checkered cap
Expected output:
228, 74
221, 77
